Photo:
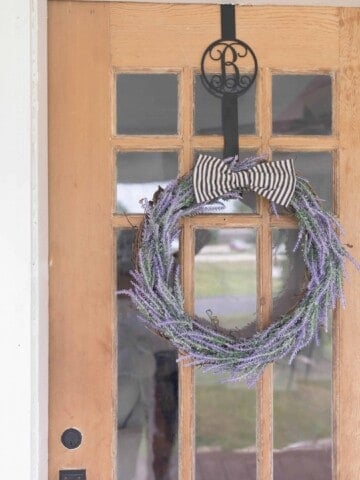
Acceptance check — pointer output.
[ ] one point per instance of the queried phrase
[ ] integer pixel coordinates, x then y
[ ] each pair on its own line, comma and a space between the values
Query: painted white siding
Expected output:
23, 240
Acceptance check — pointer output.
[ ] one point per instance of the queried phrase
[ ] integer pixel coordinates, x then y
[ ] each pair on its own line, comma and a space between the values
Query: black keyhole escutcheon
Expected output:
71, 438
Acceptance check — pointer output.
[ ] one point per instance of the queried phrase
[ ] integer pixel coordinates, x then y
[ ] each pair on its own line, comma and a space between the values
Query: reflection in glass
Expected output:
225, 283
139, 174
225, 275
317, 167
302, 390
302, 104
208, 111
146, 104
147, 388
248, 204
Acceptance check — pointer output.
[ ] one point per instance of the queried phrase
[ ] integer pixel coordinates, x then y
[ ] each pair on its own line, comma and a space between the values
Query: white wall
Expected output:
23, 240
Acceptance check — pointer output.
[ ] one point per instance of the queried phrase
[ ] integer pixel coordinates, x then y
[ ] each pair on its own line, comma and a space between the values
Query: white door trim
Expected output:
23, 240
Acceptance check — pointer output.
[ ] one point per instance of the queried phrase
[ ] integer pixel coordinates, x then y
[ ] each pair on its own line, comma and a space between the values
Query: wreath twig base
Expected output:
157, 292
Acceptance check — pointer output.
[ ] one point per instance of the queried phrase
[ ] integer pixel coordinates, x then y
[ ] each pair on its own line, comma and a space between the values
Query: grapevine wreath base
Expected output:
157, 293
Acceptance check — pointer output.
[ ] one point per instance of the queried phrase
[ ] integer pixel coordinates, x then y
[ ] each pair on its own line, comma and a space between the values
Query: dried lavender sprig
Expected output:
157, 294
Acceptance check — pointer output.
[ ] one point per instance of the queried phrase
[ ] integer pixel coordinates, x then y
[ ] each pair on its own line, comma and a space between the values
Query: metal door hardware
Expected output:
71, 438
72, 475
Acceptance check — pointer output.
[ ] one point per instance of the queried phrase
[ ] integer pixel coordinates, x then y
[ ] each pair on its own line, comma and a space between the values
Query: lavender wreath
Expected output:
157, 293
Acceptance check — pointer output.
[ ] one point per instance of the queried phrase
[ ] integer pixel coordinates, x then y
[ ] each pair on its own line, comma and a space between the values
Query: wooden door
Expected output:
106, 62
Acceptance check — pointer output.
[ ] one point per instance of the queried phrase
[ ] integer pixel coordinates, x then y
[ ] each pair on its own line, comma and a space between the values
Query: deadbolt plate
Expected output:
72, 475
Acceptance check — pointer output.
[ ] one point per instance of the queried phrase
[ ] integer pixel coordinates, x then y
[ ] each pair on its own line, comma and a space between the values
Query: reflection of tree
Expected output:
309, 112
147, 384
162, 407
292, 272
293, 282
166, 413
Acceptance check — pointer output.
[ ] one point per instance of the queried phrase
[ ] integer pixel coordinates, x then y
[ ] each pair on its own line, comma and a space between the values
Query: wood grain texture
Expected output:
225, 221
177, 35
214, 221
160, 142
347, 353
264, 394
217, 141
154, 37
82, 316
186, 118
311, 143
146, 142
312, 3
186, 374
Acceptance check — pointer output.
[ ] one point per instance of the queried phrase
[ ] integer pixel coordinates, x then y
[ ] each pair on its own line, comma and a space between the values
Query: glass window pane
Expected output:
208, 111
317, 167
302, 104
302, 390
146, 104
225, 275
147, 388
248, 203
139, 174
225, 283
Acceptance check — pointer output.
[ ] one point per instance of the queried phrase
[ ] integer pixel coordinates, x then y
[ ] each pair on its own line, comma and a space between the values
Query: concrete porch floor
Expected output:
291, 464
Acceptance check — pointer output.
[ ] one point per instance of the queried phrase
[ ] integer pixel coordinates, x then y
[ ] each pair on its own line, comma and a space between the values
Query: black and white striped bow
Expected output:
213, 178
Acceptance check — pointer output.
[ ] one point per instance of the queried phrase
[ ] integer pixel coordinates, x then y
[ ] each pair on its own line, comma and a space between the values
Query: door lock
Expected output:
71, 438
72, 475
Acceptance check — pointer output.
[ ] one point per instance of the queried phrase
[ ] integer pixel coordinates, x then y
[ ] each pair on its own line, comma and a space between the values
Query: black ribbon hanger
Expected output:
229, 103
228, 82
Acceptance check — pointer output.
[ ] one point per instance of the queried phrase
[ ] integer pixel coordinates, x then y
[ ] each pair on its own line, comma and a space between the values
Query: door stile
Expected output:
335, 325
186, 373
82, 356
347, 367
264, 396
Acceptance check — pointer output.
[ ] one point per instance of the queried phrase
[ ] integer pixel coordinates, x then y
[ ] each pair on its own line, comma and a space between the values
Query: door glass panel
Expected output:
317, 167
301, 104
208, 111
225, 284
139, 174
146, 104
302, 390
248, 203
147, 388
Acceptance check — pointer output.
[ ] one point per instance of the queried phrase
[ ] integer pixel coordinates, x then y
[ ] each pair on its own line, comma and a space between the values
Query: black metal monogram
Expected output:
228, 69
229, 57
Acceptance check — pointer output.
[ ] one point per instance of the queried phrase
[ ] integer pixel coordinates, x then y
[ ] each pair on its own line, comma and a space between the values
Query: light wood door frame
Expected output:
88, 43
82, 350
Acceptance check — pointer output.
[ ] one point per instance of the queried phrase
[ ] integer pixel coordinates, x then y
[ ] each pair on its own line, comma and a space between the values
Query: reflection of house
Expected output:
147, 388
147, 401
306, 461
309, 113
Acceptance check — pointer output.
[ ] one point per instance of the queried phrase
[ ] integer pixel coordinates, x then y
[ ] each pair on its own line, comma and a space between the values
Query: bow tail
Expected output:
275, 181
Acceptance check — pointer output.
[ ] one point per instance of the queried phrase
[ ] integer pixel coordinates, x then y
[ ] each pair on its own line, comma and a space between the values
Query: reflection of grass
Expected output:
234, 321
227, 278
303, 413
226, 414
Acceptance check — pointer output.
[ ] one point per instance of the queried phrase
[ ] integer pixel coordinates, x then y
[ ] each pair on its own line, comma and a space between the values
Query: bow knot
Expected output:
213, 178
